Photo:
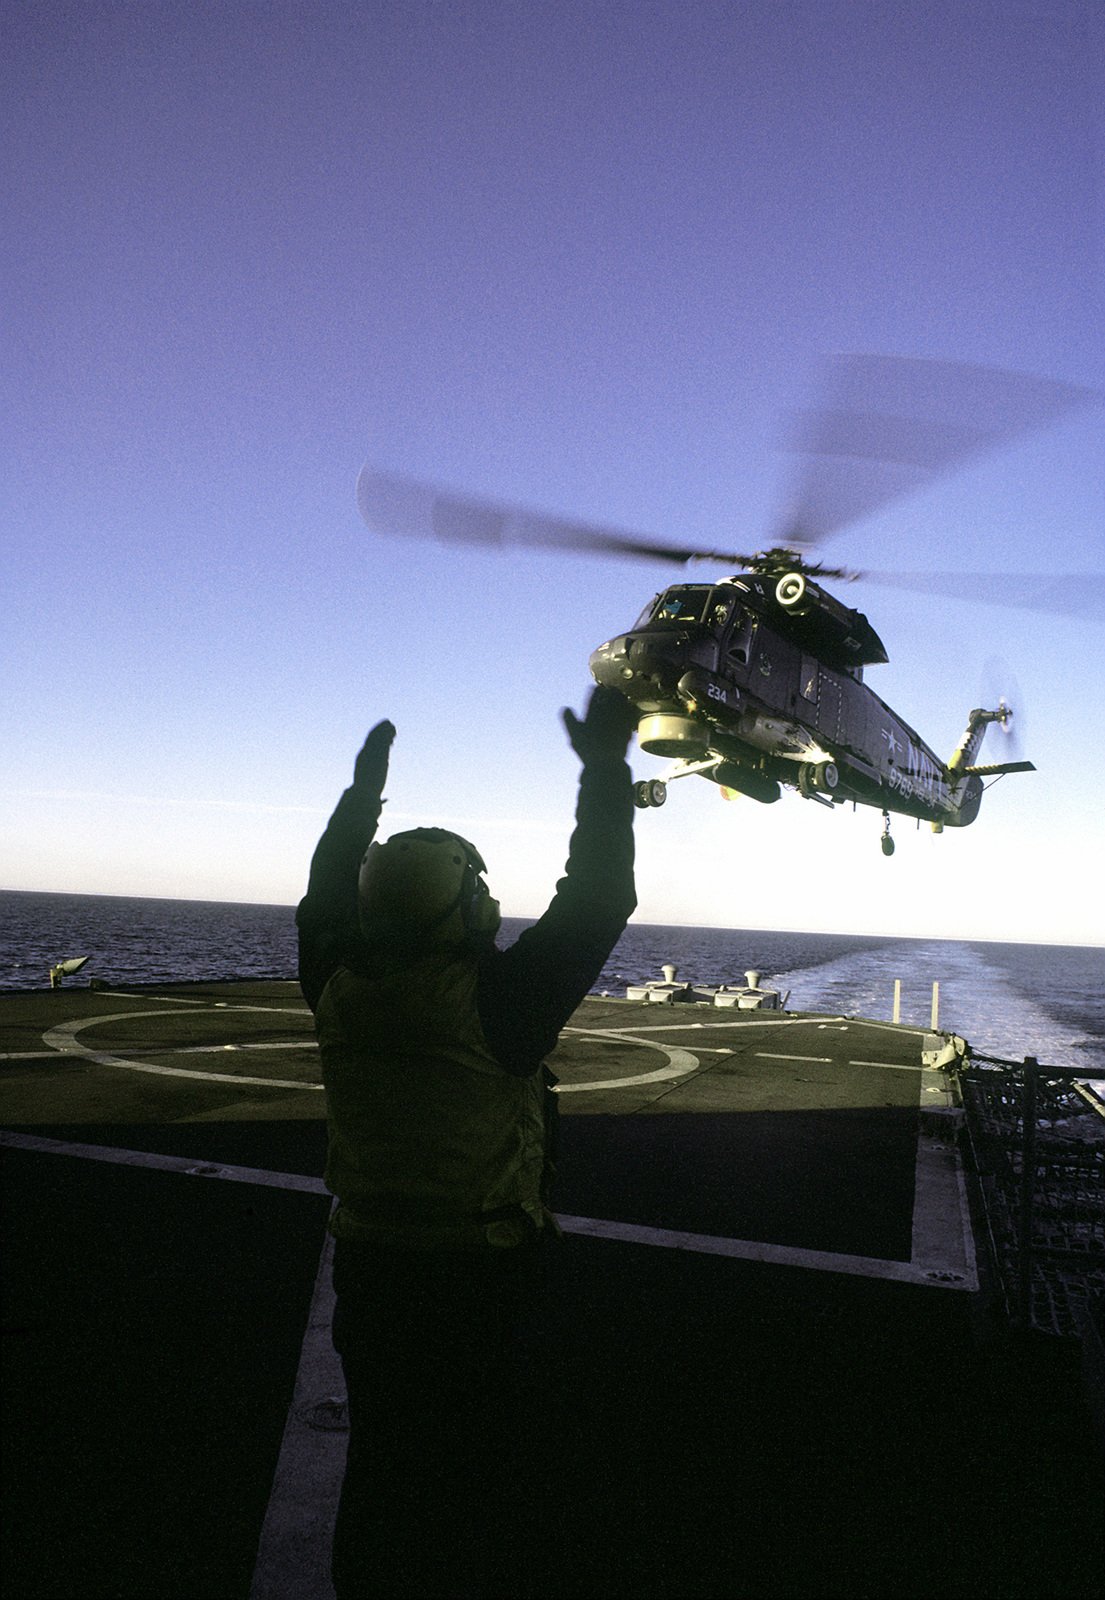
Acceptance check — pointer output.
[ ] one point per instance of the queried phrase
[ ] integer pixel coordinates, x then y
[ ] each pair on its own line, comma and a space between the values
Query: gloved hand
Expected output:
370, 770
606, 728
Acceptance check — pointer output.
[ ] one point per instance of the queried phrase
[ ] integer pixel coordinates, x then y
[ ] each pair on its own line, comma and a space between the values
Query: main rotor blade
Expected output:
396, 505
1073, 594
892, 424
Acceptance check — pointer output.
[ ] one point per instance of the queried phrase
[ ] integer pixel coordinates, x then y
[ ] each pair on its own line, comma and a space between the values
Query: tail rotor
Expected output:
1002, 695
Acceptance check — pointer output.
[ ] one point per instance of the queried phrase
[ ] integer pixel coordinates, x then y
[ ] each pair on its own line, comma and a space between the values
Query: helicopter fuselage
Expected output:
757, 682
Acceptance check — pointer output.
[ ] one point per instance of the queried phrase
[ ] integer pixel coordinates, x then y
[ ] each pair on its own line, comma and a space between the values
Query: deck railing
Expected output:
1038, 1139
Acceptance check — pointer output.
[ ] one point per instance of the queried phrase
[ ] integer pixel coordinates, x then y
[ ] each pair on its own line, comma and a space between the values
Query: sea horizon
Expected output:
705, 927
1009, 998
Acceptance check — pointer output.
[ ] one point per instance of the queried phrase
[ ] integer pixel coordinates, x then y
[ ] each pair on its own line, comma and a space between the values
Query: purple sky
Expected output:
578, 256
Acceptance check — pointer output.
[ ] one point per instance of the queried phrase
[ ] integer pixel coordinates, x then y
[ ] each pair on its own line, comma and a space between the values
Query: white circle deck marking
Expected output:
681, 1063
64, 1040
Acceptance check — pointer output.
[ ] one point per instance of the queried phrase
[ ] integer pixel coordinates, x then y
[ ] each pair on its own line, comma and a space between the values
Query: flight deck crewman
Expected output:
432, 1043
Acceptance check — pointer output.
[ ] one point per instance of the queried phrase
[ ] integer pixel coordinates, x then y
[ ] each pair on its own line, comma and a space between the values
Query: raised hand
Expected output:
605, 729
370, 770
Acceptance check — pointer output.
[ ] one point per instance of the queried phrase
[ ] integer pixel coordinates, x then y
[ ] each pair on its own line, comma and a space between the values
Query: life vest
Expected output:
431, 1142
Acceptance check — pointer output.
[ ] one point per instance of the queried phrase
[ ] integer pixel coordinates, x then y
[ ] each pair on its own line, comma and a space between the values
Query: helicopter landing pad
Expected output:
646, 1094
763, 1320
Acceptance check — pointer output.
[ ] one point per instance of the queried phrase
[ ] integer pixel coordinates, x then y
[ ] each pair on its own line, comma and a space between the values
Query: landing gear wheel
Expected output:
886, 842
650, 792
820, 777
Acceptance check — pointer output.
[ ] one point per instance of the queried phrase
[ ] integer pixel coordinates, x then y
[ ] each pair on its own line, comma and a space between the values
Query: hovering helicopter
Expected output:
755, 681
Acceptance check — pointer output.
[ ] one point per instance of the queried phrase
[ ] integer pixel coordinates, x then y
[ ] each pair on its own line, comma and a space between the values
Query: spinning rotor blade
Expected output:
397, 505
1001, 691
892, 425
1075, 594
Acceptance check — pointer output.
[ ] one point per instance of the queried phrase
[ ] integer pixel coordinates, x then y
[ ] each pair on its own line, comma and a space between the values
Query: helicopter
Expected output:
755, 681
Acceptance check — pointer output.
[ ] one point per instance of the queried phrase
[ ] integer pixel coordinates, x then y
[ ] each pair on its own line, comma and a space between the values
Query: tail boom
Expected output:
965, 774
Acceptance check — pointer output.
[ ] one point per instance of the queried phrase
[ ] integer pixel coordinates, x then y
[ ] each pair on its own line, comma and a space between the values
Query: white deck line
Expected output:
893, 1066
779, 1055
205, 1000
293, 1552
720, 1021
828, 1020
943, 1271
940, 1192
188, 1166
255, 1044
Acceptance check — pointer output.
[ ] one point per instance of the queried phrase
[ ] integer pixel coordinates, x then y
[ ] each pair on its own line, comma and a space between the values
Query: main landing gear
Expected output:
886, 842
817, 780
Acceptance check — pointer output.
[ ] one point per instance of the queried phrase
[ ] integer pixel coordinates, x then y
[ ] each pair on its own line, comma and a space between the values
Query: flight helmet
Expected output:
425, 887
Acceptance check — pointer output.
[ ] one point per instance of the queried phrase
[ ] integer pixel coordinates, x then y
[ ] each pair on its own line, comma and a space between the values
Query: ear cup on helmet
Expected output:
480, 910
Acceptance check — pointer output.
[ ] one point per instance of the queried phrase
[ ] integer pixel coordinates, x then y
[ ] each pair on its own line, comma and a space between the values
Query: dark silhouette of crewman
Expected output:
440, 1117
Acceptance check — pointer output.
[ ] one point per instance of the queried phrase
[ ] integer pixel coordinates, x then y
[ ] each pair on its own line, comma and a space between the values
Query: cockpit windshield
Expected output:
677, 607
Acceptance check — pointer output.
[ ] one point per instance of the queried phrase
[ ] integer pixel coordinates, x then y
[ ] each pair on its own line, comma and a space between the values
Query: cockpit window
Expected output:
687, 603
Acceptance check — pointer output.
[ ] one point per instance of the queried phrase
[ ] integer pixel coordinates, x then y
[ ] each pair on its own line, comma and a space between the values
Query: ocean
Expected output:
1007, 1000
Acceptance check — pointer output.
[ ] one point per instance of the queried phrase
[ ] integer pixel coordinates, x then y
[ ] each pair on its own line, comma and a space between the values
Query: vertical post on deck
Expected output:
935, 1021
897, 1016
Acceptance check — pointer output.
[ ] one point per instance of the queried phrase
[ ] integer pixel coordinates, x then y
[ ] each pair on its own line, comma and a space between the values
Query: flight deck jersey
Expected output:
431, 1142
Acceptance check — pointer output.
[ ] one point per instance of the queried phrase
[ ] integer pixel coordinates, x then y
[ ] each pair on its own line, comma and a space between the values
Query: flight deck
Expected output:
774, 1367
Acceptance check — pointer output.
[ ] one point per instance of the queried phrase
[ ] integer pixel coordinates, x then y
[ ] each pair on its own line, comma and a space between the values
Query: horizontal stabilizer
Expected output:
1003, 766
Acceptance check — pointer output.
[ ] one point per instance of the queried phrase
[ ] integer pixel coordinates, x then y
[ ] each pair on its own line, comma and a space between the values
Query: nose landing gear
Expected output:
651, 792
654, 791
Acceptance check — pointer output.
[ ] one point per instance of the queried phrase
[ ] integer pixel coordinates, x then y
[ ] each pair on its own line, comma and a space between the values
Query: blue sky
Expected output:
579, 256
